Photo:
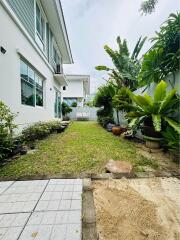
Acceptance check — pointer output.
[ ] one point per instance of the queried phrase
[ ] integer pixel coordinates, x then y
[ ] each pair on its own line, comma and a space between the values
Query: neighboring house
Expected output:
33, 47
78, 89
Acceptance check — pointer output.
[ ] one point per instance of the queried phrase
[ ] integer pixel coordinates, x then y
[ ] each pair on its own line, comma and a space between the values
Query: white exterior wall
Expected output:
10, 83
74, 89
78, 87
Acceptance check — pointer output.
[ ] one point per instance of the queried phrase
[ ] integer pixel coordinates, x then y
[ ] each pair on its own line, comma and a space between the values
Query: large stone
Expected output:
119, 167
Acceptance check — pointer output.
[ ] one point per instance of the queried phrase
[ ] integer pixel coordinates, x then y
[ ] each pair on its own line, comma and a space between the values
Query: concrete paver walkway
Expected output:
41, 209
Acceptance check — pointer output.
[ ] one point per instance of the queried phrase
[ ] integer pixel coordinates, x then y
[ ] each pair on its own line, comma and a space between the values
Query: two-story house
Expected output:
34, 46
77, 90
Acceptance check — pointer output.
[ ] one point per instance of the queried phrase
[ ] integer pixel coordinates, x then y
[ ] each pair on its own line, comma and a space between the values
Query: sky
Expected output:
93, 23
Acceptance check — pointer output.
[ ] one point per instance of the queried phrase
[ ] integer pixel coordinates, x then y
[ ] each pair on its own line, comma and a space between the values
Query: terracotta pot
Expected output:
117, 130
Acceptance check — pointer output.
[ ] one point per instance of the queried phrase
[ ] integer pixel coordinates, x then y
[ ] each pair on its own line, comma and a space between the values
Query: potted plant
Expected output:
153, 114
65, 110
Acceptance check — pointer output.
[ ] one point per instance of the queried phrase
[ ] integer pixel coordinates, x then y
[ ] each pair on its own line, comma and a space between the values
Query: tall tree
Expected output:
164, 56
148, 6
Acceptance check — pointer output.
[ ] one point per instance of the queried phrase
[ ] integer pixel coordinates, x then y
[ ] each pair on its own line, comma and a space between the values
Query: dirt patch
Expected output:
164, 160
138, 209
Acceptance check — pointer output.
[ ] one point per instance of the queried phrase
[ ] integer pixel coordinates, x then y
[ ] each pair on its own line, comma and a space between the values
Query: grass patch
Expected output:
83, 147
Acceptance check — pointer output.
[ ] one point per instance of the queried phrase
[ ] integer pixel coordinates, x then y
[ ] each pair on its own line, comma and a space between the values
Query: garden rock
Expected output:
119, 167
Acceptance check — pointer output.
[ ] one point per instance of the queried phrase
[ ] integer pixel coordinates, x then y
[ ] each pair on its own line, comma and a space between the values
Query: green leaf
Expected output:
173, 124
134, 114
160, 91
156, 122
142, 102
148, 99
133, 122
102, 68
167, 100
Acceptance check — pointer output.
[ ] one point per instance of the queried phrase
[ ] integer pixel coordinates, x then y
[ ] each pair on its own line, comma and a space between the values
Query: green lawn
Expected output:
83, 147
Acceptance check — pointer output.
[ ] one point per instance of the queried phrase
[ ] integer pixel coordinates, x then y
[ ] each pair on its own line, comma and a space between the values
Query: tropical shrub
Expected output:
36, 131
172, 140
74, 104
163, 58
65, 109
6, 130
40, 130
90, 104
54, 125
122, 101
104, 121
127, 66
156, 111
103, 99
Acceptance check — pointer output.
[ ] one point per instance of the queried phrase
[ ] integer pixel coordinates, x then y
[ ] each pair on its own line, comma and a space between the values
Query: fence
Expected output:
83, 113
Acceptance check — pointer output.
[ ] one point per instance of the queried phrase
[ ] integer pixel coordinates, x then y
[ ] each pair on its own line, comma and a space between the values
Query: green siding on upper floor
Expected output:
24, 10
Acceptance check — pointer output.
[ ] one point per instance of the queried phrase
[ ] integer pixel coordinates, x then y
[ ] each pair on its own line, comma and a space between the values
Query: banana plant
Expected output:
158, 109
126, 66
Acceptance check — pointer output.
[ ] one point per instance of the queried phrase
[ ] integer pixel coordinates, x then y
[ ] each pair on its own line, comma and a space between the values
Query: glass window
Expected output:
24, 71
31, 75
40, 24
39, 91
57, 104
38, 19
31, 86
27, 93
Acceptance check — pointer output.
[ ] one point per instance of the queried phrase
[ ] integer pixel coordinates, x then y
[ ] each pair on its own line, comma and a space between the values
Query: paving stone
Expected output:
64, 188
11, 225
27, 187
65, 181
41, 210
73, 232
55, 217
21, 196
52, 232
5, 185
17, 207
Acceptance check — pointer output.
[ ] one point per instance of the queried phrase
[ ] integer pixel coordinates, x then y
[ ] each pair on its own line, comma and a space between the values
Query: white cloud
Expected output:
93, 23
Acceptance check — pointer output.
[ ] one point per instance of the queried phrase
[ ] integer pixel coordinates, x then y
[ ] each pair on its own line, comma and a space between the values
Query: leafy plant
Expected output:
122, 101
127, 66
105, 120
53, 125
172, 140
74, 104
36, 131
65, 109
103, 99
6, 130
163, 58
157, 110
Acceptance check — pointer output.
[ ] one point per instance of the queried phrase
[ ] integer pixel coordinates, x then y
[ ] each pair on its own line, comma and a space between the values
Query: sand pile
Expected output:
138, 209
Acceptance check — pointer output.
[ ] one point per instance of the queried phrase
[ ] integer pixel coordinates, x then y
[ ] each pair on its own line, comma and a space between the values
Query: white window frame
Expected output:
41, 43
36, 73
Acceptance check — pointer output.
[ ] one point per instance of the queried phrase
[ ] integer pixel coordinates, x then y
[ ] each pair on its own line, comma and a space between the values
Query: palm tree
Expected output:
127, 66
